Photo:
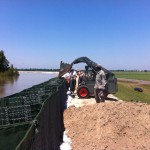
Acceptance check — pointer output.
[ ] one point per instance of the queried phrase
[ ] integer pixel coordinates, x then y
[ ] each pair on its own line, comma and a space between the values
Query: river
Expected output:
26, 79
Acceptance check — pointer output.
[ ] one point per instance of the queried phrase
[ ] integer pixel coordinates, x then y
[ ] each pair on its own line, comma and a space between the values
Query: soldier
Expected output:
100, 83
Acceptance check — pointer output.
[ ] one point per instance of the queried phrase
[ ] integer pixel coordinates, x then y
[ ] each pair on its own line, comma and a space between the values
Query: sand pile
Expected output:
112, 126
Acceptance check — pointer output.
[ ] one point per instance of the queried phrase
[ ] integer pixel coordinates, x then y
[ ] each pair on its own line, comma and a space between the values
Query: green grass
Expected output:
126, 92
133, 75
9, 73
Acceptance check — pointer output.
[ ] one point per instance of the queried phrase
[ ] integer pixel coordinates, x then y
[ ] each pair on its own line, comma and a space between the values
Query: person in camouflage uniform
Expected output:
100, 84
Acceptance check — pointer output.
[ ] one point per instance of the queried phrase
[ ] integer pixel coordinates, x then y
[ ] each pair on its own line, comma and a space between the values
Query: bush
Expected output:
10, 72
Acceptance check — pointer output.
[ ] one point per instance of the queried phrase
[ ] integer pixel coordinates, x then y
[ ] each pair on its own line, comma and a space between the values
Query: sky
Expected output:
41, 33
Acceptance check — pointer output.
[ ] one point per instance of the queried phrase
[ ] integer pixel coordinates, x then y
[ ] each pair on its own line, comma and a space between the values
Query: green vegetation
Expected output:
133, 75
5, 69
126, 92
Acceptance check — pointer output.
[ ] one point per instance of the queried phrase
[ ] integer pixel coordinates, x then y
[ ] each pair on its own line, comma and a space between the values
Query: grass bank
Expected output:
9, 73
133, 75
126, 92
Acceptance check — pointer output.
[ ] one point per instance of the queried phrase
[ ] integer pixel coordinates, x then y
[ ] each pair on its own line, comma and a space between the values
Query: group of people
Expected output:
73, 79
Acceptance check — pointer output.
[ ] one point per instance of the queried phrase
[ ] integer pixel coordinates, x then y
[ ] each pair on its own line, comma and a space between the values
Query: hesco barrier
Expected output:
33, 118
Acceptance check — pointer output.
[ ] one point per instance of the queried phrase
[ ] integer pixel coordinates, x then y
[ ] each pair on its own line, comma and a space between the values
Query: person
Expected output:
79, 75
73, 76
100, 84
67, 77
77, 80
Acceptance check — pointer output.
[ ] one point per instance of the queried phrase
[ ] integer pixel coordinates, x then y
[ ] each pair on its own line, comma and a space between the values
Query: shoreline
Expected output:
43, 72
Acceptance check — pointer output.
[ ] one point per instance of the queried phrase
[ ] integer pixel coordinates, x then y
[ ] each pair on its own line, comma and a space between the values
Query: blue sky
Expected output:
41, 33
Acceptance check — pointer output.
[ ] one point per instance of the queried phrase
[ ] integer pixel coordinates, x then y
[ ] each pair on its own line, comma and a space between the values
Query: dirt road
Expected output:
133, 80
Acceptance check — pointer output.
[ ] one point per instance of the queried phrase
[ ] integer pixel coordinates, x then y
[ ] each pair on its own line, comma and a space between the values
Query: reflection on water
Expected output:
6, 80
11, 85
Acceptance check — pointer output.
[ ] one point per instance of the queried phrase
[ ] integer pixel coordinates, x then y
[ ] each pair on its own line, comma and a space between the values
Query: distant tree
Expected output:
4, 63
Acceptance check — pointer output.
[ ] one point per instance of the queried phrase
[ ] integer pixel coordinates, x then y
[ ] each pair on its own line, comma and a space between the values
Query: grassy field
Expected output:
126, 89
133, 75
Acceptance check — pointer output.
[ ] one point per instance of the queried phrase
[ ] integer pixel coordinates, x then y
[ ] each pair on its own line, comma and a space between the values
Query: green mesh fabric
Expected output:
10, 136
43, 103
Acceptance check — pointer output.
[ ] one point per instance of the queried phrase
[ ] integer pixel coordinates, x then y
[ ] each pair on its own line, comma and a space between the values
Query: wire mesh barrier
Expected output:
33, 118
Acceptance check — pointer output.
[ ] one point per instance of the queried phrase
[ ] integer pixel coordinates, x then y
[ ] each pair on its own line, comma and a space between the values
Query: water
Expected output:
26, 79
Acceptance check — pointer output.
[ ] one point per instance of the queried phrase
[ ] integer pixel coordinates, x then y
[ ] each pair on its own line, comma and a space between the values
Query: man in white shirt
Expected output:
67, 77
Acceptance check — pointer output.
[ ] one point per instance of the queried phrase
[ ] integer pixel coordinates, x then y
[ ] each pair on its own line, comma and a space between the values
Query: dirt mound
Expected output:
113, 125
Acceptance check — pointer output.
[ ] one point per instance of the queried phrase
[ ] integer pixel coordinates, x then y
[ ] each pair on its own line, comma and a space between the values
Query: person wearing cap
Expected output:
100, 83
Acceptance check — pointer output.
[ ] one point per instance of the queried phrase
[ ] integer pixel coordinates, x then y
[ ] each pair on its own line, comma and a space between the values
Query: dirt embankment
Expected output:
109, 126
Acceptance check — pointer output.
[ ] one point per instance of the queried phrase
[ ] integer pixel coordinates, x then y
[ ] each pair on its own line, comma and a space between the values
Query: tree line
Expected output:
5, 68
